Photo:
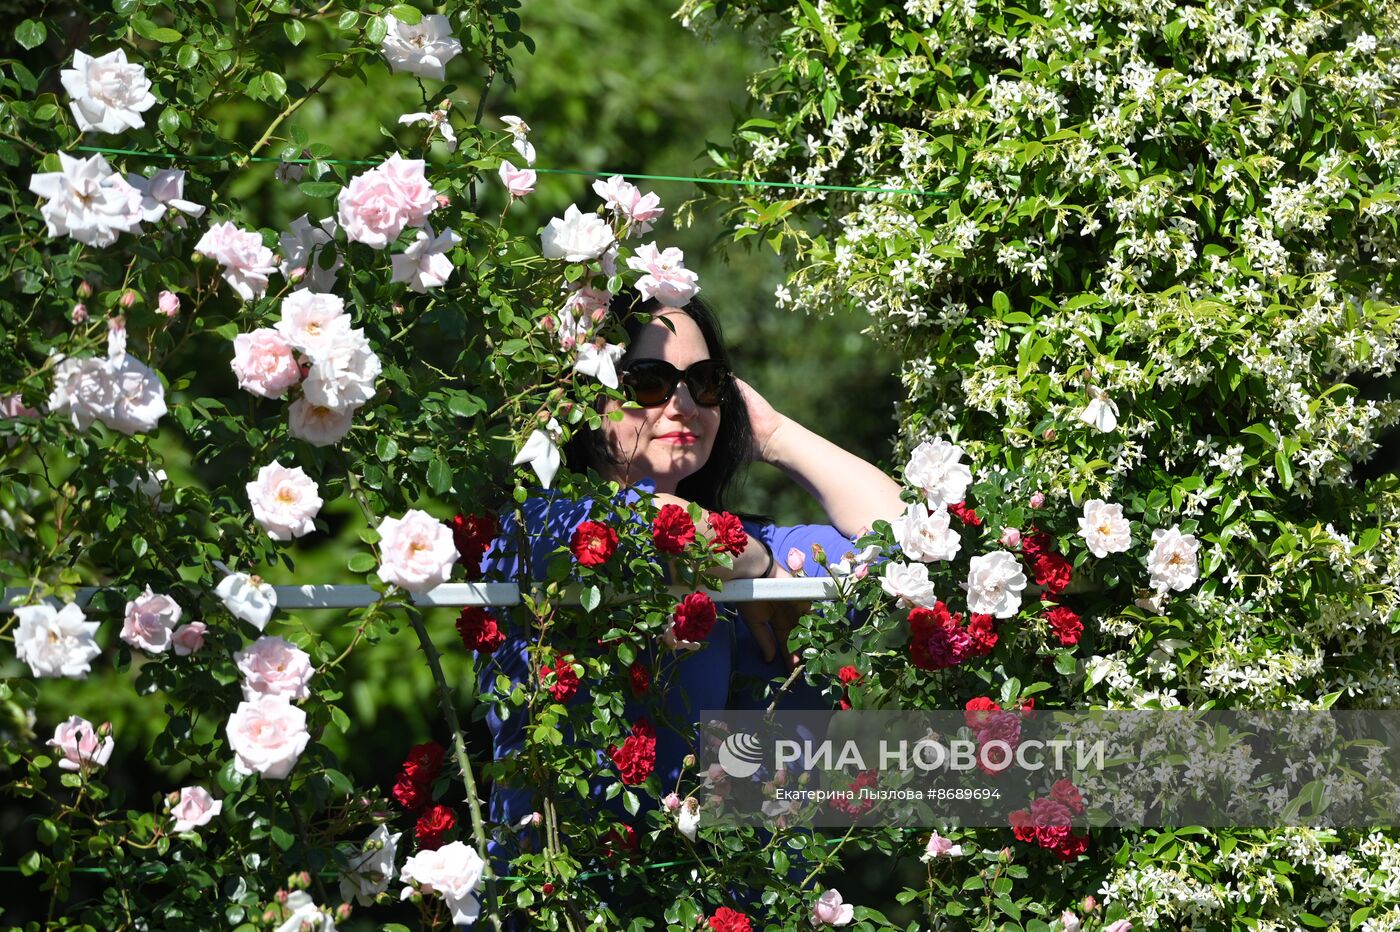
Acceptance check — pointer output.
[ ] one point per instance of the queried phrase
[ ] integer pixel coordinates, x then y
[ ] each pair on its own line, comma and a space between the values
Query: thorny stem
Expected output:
305, 840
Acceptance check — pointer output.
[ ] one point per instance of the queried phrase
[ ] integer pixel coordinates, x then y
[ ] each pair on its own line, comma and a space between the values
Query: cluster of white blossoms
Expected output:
119, 391
453, 872
417, 552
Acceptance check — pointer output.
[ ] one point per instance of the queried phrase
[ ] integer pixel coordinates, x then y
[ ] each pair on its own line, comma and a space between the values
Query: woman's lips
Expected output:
678, 437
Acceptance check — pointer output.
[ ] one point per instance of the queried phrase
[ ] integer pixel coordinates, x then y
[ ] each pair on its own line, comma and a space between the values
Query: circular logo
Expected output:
740, 755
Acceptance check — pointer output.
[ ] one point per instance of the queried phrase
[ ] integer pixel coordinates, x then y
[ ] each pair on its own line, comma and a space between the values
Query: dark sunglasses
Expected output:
652, 382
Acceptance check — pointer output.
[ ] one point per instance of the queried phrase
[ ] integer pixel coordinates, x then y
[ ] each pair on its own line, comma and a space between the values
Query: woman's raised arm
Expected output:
852, 492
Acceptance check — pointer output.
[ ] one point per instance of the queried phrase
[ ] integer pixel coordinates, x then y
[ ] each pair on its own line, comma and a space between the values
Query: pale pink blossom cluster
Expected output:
424, 263
381, 203
423, 48
56, 642
264, 364
936, 469
285, 501
995, 582
83, 747
417, 551
664, 275
119, 391
453, 873
247, 263
267, 735
273, 666
109, 94
150, 622
194, 808
87, 201
627, 201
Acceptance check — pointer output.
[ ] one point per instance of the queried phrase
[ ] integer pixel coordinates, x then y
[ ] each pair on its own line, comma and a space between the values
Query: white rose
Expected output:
909, 583
576, 237
109, 95
80, 746
600, 363
301, 248
247, 597
318, 425
370, 872
149, 622
423, 48
56, 643
285, 501
924, 534
452, 872
305, 915
1104, 528
343, 373
416, 551
195, 808
87, 201
311, 321
994, 584
936, 468
424, 264
273, 666
267, 734
1173, 562
162, 191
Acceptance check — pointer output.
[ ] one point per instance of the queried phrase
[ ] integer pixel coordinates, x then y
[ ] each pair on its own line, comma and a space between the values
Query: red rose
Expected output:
409, 794
937, 638
479, 630
1022, 826
1066, 792
593, 543
1037, 542
694, 617
1051, 571
1072, 847
729, 534
979, 711
1028, 708
621, 840
728, 920
672, 530
640, 677
965, 514
999, 726
565, 680
982, 629
1052, 822
843, 704
848, 675
636, 759
473, 535
1065, 625
432, 825
424, 761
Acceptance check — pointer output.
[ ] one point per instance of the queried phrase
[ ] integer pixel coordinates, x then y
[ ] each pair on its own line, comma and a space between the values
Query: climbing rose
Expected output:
80, 745
848, 675
1173, 563
518, 181
378, 204
267, 734
1104, 528
665, 278
593, 543
994, 584
194, 809
87, 201
189, 638
149, 621
318, 425
729, 534
423, 48
1065, 625
285, 501
109, 94
478, 630
56, 643
310, 320
565, 680
575, 237
343, 372
979, 711
729, 920
639, 677
936, 469
636, 758
672, 529
247, 262
963, 513
452, 872
273, 666
432, 825
416, 551
424, 263
264, 364
691, 622
828, 910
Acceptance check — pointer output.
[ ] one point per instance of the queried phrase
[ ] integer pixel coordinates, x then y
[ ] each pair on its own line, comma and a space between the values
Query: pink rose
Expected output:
169, 303
518, 181
318, 425
1037, 499
830, 911
666, 279
188, 638
310, 320
80, 745
1010, 538
247, 262
625, 199
195, 808
150, 621
344, 371
417, 551
284, 500
264, 364
424, 263
378, 204
272, 666
12, 406
672, 802
1122, 925
267, 734
796, 560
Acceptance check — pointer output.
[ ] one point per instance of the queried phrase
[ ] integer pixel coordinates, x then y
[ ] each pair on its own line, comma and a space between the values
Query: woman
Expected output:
694, 429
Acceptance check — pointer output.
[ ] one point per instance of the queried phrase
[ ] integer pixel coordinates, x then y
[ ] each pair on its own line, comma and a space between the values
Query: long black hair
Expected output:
712, 484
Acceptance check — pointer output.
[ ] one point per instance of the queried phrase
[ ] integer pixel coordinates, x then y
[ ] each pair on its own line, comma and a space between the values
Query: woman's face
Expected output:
673, 441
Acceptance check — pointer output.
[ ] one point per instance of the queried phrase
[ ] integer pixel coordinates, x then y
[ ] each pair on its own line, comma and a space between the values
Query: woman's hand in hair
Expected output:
764, 421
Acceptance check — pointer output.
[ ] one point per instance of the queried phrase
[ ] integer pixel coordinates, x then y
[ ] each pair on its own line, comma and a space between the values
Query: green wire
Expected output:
547, 171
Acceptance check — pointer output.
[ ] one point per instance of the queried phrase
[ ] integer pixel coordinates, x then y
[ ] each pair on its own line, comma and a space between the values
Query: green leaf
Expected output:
319, 188
362, 563
169, 121
386, 449
295, 31
282, 838
406, 14
187, 57
347, 20
31, 33
439, 476
1284, 467
276, 85
591, 598
1001, 303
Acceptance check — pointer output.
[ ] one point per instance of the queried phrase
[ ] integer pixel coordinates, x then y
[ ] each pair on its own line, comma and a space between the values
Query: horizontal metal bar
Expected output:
506, 594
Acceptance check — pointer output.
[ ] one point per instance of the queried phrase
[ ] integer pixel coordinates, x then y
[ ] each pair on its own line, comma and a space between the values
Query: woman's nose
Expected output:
681, 403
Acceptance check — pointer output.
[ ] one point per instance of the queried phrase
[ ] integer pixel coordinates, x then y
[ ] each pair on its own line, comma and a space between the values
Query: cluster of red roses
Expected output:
593, 543
473, 535
636, 758
986, 717
694, 617
561, 679
479, 630
413, 790
1053, 572
849, 676
729, 920
857, 806
938, 639
1047, 822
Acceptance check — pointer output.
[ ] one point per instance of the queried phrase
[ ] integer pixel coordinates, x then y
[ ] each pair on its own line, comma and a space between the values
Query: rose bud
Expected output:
79, 314
128, 299
1049, 434
84, 290
1010, 538
1037, 500
169, 303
